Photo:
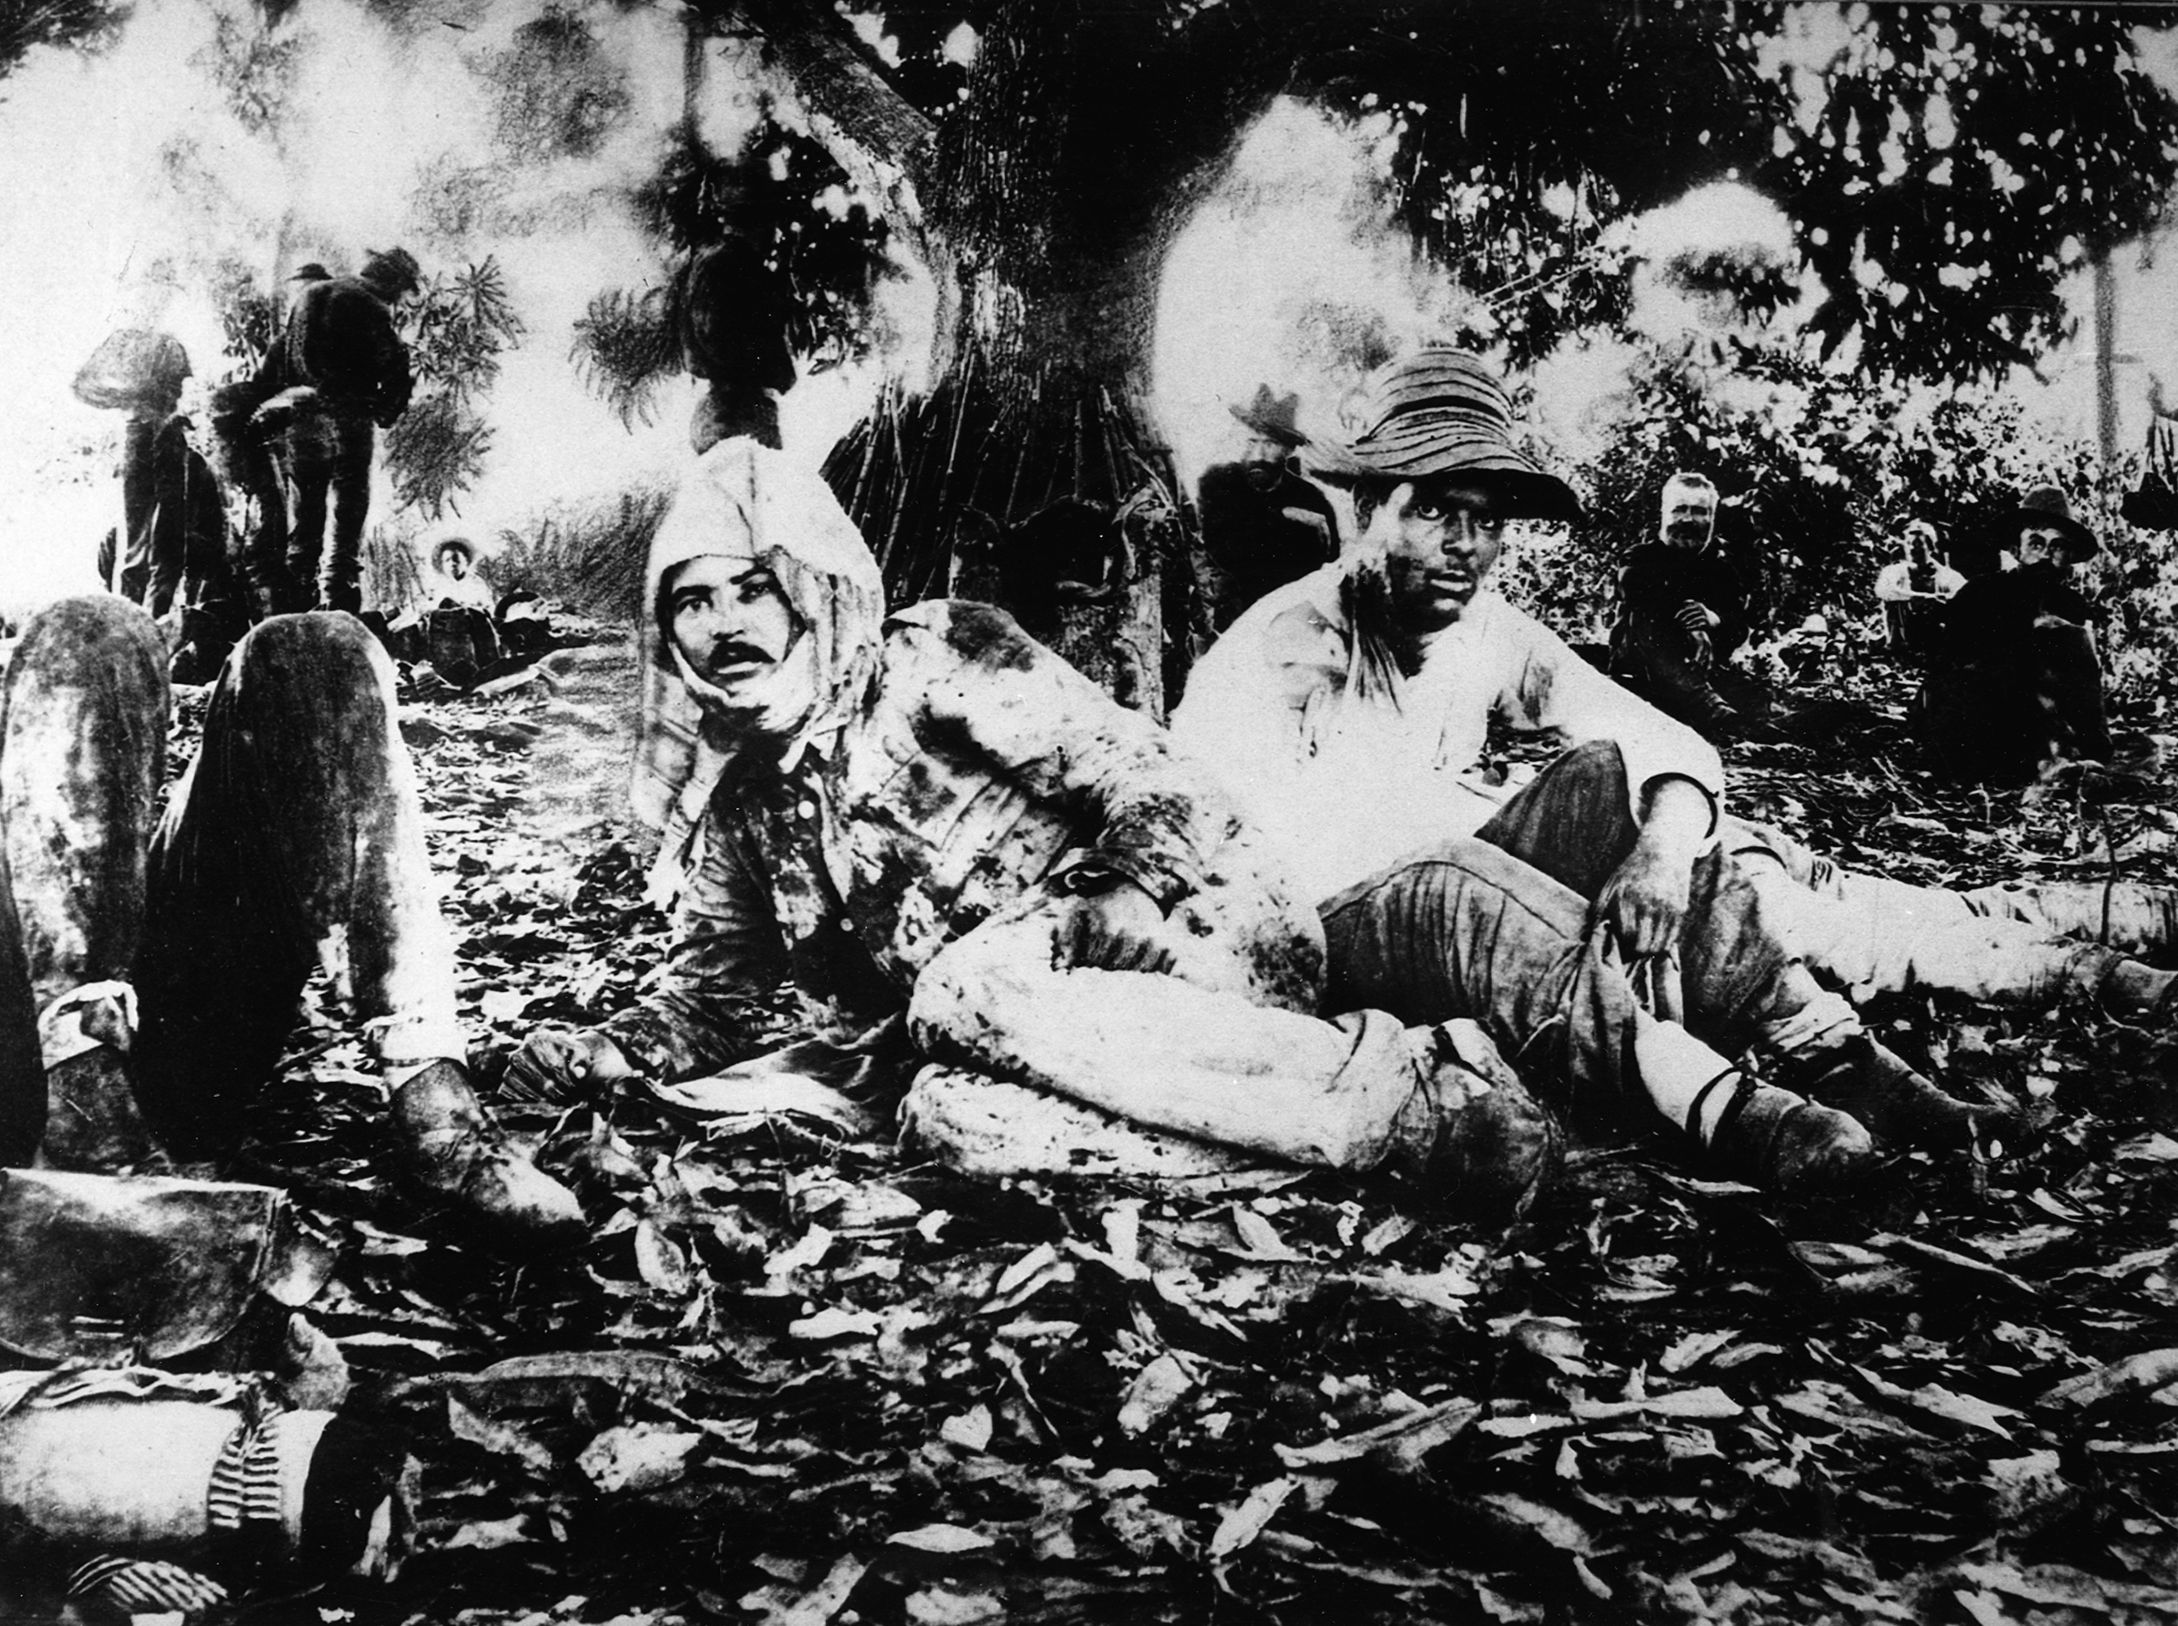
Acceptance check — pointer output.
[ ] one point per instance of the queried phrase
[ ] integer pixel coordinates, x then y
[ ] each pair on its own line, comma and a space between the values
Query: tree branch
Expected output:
874, 133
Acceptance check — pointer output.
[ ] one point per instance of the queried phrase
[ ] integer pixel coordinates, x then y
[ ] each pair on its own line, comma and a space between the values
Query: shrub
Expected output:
588, 556
1826, 466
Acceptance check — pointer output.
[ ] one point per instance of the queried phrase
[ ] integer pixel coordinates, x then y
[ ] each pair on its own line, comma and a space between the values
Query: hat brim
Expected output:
1522, 490
2081, 540
1284, 434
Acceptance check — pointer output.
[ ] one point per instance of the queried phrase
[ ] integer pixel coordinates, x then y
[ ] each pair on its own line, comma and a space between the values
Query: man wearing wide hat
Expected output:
2017, 692
1348, 713
1262, 524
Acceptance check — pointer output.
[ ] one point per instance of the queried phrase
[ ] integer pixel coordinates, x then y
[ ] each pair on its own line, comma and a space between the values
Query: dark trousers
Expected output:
139, 502
329, 449
298, 823
1660, 661
152, 543
272, 590
1496, 928
2005, 717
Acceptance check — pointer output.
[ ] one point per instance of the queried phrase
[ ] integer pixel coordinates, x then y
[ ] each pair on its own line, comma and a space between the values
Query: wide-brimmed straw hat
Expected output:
1274, 417
1440, 411
2046, 505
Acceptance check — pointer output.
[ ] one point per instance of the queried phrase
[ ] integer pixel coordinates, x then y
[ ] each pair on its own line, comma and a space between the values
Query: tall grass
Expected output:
587, 556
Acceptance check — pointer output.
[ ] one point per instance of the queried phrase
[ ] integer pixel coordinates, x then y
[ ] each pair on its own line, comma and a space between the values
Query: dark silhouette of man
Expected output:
1262, 524
341, 344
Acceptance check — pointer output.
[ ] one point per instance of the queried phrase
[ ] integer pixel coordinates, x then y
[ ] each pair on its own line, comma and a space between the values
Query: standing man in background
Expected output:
1913, 592
2017, 688
341, 344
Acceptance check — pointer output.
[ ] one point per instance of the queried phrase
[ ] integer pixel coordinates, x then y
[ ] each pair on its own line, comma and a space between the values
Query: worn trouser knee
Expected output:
298, 826
80, 770
80, 767
1185, 1053
1573, 822
1465, 929
322, 725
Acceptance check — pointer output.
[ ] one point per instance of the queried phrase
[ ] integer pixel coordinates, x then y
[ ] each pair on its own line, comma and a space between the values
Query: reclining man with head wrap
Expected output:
932, 814
1348, 712
149, 973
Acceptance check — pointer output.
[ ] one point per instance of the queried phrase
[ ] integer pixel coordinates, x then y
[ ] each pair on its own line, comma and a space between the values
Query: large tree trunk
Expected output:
1030, 476
1031, 473
1043, 202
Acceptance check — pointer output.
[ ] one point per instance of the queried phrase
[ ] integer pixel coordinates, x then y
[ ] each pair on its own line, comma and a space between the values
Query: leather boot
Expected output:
92, 1123
1786, 1144
1473, 1137
1859, 1076
449, 1146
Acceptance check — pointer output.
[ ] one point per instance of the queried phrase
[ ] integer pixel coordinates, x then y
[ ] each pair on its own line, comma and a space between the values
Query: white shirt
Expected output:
1344, 786
1894, 582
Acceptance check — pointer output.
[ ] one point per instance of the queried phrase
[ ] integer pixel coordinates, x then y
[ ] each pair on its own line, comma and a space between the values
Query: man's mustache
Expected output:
732, 650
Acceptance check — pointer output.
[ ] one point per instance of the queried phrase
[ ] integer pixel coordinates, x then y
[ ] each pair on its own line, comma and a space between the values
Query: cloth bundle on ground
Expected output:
172, 1435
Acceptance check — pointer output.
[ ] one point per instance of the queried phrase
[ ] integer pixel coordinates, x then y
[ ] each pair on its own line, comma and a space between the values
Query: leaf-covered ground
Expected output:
794, 1380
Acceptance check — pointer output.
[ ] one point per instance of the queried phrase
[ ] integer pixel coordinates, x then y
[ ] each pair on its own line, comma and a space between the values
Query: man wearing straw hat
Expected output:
1348, 713
930, 816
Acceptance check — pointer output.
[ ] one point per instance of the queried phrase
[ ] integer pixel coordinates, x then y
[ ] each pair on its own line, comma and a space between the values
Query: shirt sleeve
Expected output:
1550, 689
988, 690
1241, 717
726, 957
1894, 582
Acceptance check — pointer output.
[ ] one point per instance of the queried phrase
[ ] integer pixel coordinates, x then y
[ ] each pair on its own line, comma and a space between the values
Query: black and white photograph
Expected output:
1088, 812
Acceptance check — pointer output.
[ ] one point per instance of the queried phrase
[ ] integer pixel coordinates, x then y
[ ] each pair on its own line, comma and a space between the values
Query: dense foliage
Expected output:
1944, 166
1825, 467
457, 327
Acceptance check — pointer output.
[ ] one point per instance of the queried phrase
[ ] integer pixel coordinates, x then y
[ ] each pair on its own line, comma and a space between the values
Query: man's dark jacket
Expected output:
1251, 538
341, 341
1725, 578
